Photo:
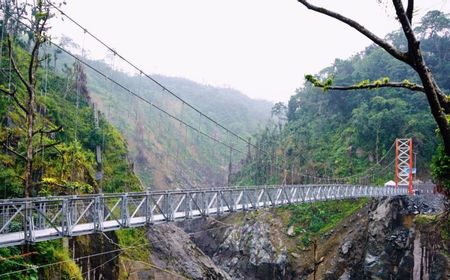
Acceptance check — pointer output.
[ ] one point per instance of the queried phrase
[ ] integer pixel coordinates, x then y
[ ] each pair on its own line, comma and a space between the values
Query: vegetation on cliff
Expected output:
342, 134
74, 148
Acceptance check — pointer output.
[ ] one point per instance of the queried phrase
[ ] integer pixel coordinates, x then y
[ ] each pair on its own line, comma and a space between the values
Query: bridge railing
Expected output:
36, 219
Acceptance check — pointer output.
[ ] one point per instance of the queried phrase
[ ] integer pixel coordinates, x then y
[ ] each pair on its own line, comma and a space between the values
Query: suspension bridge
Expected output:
30, 220
45, 218
26, 221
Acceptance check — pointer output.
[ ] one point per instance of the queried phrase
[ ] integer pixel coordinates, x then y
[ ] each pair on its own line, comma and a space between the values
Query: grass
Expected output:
134, 237
315, 219
131, 238
425, 219
42, 253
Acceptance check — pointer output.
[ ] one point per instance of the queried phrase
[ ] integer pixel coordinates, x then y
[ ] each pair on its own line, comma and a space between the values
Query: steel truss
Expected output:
403, 163
45, 218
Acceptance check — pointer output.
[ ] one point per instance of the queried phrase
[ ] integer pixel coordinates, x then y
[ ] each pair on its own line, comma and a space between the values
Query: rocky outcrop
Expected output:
103, 266
385, 245
174, 255
253, 248
380, 241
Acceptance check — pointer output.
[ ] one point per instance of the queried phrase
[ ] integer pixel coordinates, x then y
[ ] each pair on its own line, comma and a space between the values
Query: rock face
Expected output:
173, 251
104, 266
380, 241
252, 250
384, 246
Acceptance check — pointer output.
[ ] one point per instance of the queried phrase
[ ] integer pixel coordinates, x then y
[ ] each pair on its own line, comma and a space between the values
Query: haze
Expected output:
260, 47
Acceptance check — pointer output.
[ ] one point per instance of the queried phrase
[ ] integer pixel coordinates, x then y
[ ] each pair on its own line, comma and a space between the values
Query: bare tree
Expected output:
439, 102
27, 104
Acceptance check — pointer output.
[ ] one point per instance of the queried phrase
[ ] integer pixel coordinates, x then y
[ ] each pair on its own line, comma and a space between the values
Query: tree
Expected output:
438, 101
27, 103
279, 110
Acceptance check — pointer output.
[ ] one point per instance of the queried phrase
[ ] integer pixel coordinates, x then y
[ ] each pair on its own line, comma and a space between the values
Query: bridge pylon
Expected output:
404, 163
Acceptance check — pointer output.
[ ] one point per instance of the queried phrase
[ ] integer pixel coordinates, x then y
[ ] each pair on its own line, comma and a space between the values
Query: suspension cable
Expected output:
147, 75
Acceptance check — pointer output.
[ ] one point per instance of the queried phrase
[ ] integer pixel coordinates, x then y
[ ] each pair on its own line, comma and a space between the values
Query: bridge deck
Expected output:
45, 218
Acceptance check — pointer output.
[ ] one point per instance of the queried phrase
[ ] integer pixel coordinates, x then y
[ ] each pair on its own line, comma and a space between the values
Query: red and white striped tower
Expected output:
404, 163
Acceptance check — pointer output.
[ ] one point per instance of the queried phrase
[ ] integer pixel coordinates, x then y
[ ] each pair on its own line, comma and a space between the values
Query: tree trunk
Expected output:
438, 101
438, 105
29, 157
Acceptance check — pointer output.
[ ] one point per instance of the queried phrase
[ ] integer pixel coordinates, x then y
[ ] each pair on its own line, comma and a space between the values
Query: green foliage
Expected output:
440, 167
134, 237
68, 167
315, 219
343, 133
42, 254
52, 252
317, 83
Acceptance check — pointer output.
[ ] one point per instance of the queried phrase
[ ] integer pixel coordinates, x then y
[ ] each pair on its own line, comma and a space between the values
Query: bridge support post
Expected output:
66, 224
219, 202
171, 208
98, 213
41, 220
244, 199
124, 213
232, 202
167, 207
264, 197
148, 208
189, 206
28, 223
204, 205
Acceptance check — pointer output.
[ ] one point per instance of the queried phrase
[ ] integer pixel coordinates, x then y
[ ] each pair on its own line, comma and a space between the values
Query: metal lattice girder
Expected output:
44, 218
403, 162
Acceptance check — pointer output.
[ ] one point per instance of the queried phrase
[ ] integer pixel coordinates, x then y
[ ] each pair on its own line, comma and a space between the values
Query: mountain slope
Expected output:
343, 133
66, 161
166, 153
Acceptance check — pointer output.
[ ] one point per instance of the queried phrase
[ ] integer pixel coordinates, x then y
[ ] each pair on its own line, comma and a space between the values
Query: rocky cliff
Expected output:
386, 239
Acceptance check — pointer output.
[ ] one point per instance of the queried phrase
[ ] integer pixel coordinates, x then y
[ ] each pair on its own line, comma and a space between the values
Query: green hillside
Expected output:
67, 134
165, 153
341, 133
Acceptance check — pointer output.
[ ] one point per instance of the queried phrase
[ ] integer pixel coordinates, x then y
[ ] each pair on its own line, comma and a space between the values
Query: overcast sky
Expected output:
261, 47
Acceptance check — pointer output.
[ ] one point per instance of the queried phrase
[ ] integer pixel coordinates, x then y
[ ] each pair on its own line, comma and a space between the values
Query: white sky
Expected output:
260, 47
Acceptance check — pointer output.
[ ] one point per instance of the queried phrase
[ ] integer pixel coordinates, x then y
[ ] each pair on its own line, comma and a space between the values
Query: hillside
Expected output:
165, 153
76, 151
341, 133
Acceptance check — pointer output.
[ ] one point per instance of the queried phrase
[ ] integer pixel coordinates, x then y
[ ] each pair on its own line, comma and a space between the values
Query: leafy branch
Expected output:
365, 84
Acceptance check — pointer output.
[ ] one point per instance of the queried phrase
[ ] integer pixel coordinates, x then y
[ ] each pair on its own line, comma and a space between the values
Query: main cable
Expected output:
85, 30
99, 72
164, 89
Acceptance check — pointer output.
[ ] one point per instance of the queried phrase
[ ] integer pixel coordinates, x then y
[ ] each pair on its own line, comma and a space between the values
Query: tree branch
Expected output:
374, 38
410, 10
14, 65
417, 61
381, 83
42, 131
413, 44
444, 100
46, 147
12, 94
32, 69
410, 86
14, 152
